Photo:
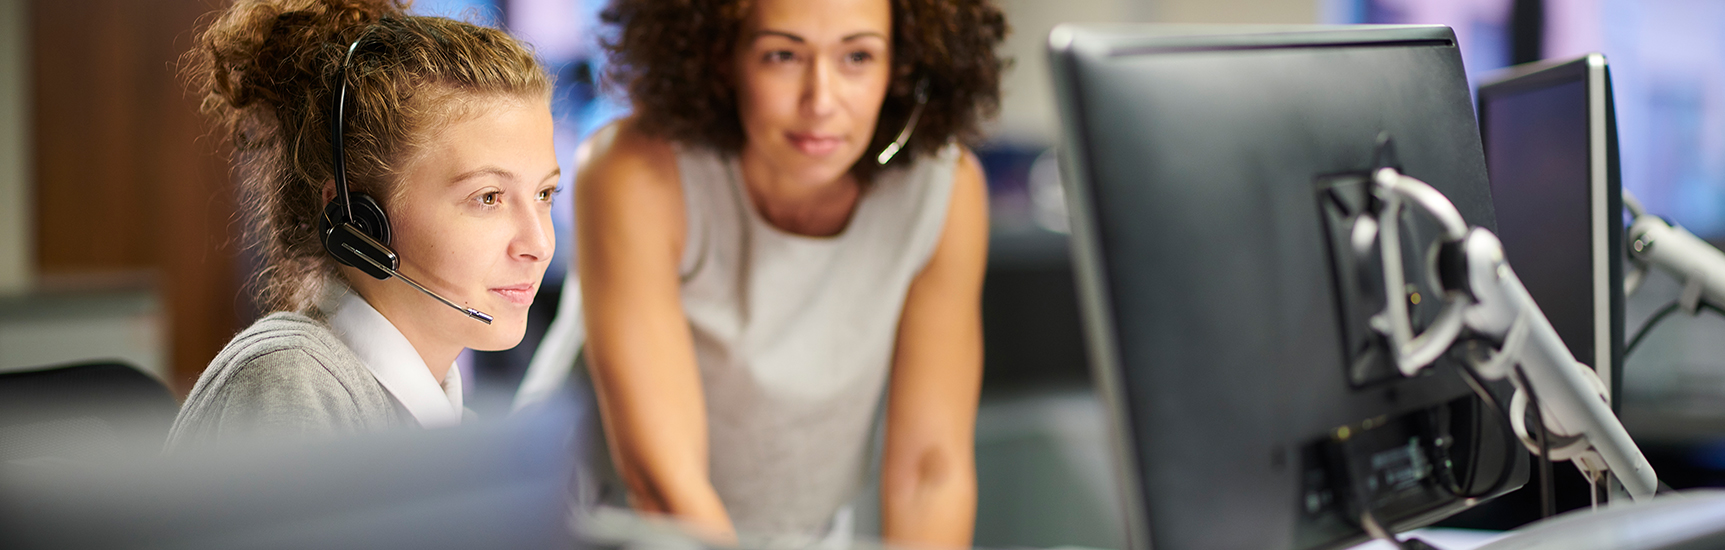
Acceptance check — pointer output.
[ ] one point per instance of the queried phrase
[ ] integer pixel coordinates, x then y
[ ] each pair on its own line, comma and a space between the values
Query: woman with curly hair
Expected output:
358, 129
785, 233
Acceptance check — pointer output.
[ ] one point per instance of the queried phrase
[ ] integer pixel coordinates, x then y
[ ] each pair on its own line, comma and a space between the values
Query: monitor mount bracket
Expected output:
1485, 303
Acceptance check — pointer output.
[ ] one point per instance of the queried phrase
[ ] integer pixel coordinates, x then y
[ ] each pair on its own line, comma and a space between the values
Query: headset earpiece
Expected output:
368, 217
367, 233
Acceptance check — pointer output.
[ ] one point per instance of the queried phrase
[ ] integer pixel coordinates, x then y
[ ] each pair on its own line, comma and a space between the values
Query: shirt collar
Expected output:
395, 363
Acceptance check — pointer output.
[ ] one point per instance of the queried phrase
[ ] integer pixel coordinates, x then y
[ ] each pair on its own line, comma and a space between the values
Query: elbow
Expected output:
927, 471
928, 499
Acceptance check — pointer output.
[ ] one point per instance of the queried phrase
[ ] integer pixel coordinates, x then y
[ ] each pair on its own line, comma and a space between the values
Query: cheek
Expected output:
871, 91
865, 103
447, 246
764, 101
476, 245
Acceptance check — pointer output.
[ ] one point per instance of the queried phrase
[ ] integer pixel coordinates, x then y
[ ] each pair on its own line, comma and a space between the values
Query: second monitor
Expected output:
1551, 150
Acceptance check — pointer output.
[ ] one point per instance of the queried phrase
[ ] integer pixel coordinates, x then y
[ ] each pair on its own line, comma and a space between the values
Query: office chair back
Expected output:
81, 411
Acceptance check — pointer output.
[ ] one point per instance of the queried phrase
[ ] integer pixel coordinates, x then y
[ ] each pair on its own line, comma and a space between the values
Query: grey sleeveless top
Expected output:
794, 335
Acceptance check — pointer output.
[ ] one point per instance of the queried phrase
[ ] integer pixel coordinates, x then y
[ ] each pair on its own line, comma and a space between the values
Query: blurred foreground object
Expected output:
499, 485
1687, 520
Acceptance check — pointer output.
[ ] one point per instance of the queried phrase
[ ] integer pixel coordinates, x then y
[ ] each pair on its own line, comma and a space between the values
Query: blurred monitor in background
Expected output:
1668, 81
1668, 72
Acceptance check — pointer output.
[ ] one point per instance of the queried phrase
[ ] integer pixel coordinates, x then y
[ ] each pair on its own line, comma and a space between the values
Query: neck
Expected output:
437, 352
438, 357
818, 208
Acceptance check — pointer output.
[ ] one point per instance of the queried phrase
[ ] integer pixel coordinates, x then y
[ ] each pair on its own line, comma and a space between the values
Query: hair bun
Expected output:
274, 51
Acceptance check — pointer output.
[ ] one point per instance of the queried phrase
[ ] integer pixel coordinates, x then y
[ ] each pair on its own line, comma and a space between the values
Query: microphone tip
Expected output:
887, 154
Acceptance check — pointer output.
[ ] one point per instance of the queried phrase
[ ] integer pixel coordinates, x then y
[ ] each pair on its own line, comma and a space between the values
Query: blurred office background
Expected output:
119, 237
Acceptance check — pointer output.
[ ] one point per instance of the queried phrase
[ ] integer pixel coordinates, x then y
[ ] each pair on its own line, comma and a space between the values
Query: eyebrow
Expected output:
795, 38
485, 171
498, 172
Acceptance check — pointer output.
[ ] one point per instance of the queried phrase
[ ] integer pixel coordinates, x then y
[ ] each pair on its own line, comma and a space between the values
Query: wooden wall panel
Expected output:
128, 177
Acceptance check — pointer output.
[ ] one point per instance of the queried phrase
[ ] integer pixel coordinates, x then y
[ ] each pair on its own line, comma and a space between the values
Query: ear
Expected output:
328, 190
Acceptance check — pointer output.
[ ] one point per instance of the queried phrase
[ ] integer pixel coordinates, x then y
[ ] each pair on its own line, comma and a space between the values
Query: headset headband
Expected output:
337, 126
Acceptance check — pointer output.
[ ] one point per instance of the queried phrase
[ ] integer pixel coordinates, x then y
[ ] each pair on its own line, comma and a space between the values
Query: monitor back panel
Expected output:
1209, 299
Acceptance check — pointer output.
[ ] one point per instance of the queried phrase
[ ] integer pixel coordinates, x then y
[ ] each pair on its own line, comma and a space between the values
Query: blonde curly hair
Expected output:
267, 70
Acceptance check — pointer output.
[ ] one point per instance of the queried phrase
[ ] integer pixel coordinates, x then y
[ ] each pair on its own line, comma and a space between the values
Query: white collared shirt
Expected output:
395, 363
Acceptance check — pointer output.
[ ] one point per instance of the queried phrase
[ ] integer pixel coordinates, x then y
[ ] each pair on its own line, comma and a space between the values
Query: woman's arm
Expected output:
928, 469
630, 227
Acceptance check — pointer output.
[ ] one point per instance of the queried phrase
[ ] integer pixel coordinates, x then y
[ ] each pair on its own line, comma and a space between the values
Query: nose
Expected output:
535, 239
819, 99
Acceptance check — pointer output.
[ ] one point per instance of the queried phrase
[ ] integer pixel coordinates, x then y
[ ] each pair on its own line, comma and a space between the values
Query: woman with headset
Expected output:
370, 144
783, 238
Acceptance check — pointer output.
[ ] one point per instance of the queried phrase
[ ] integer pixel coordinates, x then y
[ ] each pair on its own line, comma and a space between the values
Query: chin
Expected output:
826, 170
819, 169
504, 333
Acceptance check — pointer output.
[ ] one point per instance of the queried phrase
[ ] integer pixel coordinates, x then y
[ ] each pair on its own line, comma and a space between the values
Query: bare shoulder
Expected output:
620, 154
967, 215
628, 200
962, 251
969, 171
968, 180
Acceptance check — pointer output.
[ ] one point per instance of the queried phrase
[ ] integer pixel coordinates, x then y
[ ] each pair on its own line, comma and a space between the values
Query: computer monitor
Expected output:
1550, 141
1203, 168
503, 484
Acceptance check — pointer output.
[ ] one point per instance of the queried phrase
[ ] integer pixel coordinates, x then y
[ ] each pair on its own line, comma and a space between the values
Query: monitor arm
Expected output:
1486, 303
1656, 242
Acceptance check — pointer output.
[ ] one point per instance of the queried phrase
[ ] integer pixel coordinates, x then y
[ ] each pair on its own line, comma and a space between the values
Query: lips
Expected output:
815, 144
521, 294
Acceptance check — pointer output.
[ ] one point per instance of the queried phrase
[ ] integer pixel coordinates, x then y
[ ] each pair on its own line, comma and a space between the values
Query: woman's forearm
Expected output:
665, 470
692, 501
660, 451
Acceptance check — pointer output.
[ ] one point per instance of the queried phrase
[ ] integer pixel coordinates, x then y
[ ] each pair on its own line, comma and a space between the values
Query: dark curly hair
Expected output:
266, 71
670, 56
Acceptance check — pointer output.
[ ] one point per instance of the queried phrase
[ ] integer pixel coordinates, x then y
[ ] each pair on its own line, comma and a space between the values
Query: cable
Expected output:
1510, 444
1547, 494
1473, 444
1656, 318
1648, 327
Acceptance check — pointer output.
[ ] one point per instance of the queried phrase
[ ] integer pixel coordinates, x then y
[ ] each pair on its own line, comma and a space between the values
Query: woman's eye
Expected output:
489, 199
779, 56
859, 57
545, 194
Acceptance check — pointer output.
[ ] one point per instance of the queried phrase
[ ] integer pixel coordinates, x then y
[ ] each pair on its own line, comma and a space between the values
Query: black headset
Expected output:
354, 228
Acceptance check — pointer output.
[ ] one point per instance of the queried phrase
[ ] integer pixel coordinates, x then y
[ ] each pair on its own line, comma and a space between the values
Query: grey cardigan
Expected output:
287, 375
